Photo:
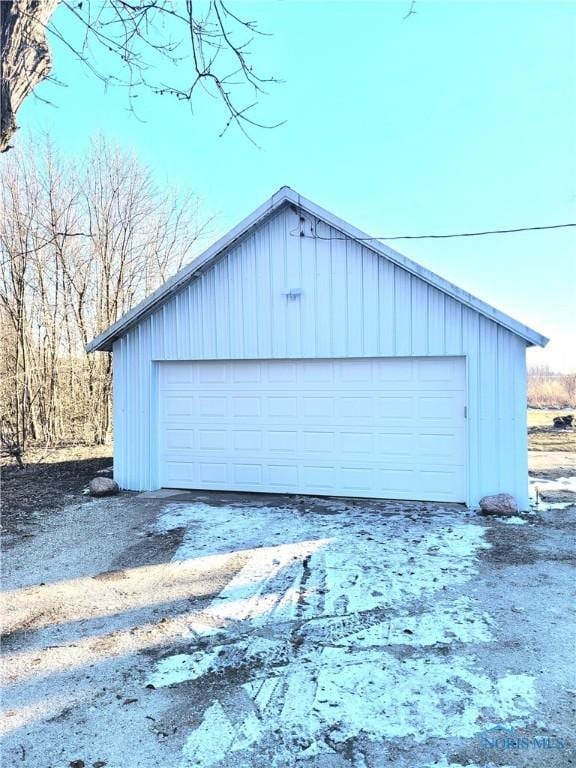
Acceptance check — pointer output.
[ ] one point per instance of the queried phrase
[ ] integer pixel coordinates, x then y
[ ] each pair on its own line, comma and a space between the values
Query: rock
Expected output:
563, 422
557, 496
499, 504
103, 486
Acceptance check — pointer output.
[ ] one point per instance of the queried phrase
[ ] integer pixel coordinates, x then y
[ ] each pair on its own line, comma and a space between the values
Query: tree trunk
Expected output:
26, 59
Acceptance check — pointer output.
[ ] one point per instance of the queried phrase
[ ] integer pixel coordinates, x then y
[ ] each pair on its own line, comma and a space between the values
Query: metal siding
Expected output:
339, 301
356, 308
308, 299
419, 319
386, 307
436, 322
353, 304
278, 244
323, 332
402, 319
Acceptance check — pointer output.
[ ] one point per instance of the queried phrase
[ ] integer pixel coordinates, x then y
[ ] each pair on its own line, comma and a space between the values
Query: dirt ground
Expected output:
543, 436
237, 630
50, 480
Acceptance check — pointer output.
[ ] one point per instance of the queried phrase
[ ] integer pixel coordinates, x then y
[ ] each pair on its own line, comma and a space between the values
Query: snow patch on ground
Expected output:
561, 491
331, 627
514, 521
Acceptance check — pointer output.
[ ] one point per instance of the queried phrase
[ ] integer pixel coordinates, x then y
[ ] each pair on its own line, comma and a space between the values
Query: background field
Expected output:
543, 436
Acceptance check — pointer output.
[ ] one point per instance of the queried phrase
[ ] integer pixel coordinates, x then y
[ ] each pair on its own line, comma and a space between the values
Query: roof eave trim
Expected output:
105, 340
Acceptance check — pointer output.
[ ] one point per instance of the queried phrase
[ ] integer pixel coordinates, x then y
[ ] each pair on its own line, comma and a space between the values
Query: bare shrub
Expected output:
81, 242
547, 389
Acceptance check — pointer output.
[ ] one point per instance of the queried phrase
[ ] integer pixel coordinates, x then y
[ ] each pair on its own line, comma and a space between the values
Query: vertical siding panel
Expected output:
403, 312
278, 241
169, 320
436, 322
237, 309
132, 421
263, 298
147, 446
355, 326
222, 308
490, 425
209, 313
471, 344
519, 426
196, 319
370, 302
118, 411
247, 266
506, 443
293, 307
324, 277
386, 293
419, 316
184, 320
309, 298
157, 349
453, 343
339, 295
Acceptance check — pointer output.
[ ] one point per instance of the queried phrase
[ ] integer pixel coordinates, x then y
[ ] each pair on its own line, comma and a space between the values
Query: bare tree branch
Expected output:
127, 43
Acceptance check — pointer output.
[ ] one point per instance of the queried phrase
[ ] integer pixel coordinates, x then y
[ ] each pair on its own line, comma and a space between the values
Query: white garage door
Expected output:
387, 428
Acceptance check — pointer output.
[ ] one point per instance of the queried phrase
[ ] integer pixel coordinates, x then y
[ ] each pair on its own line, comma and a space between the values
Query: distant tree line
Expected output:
547, 389
81, 242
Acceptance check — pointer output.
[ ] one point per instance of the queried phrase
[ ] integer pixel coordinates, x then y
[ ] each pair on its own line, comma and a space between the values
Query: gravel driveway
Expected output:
236, 630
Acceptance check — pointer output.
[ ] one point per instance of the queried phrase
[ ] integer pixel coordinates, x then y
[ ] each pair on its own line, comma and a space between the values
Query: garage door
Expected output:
387, 428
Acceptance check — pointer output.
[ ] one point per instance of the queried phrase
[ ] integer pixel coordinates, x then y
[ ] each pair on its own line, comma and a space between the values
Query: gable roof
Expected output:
285, 195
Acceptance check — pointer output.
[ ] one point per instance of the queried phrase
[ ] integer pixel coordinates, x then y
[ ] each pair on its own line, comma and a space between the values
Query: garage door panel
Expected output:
373, 427
395, 444
318, 407
282, 407
319, 478
209, 406
215, 373
245, 373
283, 476
177, 439
248, 474
440, 407
356, 443
211, 439
394, 408
281, 372
177, 407
213, 472
246, 406
282, 441
316, 442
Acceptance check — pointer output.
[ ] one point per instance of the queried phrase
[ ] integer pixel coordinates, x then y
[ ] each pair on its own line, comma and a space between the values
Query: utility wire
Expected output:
439, 237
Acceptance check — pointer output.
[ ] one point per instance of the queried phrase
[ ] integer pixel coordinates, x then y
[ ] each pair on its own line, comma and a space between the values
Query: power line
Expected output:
441, 237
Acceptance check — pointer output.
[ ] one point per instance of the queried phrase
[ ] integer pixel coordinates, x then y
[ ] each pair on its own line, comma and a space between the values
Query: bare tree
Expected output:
80, 243
206, 42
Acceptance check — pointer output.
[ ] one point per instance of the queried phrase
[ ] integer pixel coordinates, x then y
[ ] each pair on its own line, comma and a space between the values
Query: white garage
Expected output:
295, 356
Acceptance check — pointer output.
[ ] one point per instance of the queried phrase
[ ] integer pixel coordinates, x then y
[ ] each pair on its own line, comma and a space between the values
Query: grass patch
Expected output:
543, 435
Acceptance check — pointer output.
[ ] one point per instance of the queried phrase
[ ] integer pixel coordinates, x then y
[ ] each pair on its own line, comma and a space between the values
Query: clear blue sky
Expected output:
461, 117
